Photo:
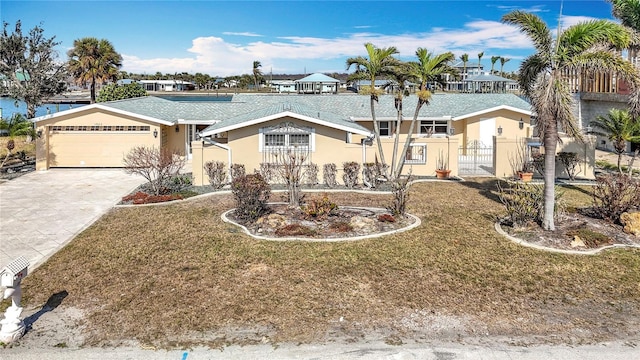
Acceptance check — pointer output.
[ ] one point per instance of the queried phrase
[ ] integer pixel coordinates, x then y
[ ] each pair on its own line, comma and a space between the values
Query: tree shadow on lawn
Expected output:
487, 187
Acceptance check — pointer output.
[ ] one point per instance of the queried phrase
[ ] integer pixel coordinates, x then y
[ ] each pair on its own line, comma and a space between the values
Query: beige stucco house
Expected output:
251, 129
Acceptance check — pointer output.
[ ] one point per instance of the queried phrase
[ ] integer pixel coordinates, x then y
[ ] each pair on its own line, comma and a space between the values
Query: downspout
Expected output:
222, 146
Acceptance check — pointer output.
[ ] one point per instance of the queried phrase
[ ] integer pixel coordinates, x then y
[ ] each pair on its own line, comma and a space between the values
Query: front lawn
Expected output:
176, 275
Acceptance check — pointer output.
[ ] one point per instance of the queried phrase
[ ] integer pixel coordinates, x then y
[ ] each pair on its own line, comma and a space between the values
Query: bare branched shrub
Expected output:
155, 165
569, 161
615, 194
251, 194
538, 162
371, 174
217, 172
400, 190
329, 172
524, 202
268, 172
237, 170
350, 171
311, 174
290, 168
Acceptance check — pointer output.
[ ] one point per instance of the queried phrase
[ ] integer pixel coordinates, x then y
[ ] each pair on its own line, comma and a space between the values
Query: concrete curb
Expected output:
560, 251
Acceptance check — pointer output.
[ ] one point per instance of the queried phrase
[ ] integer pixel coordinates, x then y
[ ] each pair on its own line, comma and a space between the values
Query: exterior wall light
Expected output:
177, 128
521, 124
39, 133
500, 130
155, 133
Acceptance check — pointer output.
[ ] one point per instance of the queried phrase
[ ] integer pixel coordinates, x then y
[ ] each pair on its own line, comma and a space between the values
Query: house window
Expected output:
384, 128
69, 128
286, 135
145, 128
119, 128
106, 128
131, 128
433, 127
83, 128
56, 128
416, 154
95, 128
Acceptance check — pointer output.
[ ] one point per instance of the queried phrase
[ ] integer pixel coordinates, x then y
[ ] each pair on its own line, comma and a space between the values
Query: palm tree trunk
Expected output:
396, 139
408, 140
93, 90
550, 143
376, 129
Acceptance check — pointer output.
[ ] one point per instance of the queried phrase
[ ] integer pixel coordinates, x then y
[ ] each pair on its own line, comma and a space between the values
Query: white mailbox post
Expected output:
12, 327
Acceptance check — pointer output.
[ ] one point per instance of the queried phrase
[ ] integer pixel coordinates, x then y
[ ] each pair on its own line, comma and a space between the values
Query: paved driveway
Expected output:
42, 211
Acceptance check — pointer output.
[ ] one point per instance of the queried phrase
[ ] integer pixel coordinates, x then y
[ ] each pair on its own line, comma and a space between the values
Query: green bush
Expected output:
319, 208
524, 202
251, 194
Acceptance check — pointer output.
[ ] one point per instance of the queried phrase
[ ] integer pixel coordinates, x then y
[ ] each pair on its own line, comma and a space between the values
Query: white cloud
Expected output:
217, 56
250, 34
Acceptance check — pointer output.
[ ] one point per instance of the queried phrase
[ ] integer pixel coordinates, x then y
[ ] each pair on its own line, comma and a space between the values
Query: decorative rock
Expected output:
272, 221
577, 242
360, 223
631, 222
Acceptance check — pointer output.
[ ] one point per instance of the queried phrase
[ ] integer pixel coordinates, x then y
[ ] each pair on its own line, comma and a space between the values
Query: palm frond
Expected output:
533, 26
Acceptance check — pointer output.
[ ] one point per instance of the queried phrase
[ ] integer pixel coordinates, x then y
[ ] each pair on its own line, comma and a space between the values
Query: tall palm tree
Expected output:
429, 67
92, 60
585, 46
628, 11
400, 75
503, 61
620, 128
494, 59
256, 72
380, 61
480, 55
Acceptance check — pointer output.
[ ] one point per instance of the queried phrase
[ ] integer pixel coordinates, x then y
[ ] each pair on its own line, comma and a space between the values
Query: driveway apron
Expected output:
42, 211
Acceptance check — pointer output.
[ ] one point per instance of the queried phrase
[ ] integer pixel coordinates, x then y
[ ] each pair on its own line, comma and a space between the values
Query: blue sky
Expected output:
222, 38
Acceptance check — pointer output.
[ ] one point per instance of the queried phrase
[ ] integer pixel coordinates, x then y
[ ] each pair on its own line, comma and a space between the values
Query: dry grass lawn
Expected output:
177, 275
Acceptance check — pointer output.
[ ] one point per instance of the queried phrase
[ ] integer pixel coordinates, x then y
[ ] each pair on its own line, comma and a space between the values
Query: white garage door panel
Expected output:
85, 150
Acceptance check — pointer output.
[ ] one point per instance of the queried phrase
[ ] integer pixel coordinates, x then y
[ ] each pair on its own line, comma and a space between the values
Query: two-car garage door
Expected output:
93, 149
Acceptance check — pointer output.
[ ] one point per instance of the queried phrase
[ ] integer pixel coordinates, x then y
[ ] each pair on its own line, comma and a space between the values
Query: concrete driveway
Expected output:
42, 211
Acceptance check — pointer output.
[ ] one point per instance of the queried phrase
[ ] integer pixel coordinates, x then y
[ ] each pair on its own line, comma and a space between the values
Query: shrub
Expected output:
524, 202
400, 191
370, 174
177, 183
569, 161
268, 172
290, 169
591, 239
311, 174
157, 166
319, 208
350, 173
144, 198
329, 172
251, 194
538, 162
386, 218
615, 194
217, 173
237, 170
341, 227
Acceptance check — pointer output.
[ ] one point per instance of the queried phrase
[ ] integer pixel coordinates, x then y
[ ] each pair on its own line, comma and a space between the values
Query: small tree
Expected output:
251, 194
290, 168
400, 190
569, 161
157, 166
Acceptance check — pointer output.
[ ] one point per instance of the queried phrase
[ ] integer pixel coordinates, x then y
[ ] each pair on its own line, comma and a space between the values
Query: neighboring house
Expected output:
317, 84
251, 129
167, 85
283, 86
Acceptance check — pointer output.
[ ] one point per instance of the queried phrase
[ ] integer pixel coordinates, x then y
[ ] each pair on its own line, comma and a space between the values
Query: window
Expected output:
131, 128
69, 128
83, 128
106, 128
384, 128
416, 154
433, 127
286, 134
56, 128
95, 128
119, 128
145, 128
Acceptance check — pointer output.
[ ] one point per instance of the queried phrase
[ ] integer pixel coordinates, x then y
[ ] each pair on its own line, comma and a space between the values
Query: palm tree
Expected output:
480, 55
380, 61
542, 80
620, 128
18, 125
429, 67
503, 61
92, 60
628, 11
494, 59
400, 75
256, 72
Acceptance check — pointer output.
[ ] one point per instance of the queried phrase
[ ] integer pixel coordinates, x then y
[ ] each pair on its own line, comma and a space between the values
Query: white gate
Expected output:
475, 159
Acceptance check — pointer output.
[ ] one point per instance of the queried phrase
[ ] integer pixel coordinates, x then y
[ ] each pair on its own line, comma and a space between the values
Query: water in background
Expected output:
9, 108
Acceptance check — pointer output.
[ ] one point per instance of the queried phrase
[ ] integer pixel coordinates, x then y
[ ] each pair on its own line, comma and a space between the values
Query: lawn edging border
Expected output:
518, 241
417, 222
